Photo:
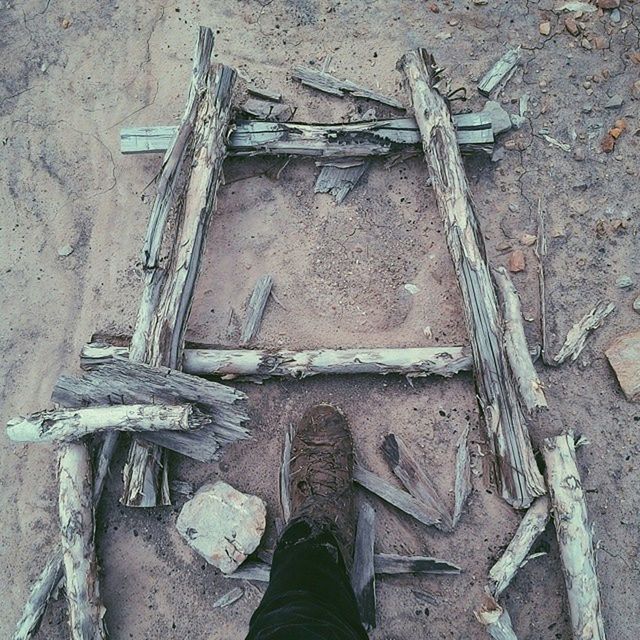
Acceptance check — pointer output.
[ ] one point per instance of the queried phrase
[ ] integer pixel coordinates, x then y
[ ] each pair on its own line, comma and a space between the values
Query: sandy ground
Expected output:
339, 273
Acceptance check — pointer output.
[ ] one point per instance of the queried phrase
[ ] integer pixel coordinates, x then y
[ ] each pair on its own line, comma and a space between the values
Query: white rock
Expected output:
65, 251
223, 525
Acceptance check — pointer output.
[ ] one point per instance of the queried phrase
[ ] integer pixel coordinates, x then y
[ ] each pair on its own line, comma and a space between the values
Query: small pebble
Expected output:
516, 261
527, 239
624, 282
545, 28
65, 251
411, 288
615, 16
614, 102
571, 26
636, 304
608, 4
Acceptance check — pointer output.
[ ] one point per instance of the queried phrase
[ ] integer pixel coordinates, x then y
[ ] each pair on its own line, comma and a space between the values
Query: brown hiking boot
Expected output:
322, 474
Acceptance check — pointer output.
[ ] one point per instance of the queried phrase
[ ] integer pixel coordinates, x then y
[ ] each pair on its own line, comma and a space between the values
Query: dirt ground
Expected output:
73, 73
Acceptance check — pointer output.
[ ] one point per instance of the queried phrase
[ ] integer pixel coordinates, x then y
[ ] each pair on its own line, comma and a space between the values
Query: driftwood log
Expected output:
530, 528
415, 480
188, 184
79, 556
258, 365
118, 380
255, 309
68, 425
354, 139
395, 497
363, 577
575, 537
529, 385
518, 477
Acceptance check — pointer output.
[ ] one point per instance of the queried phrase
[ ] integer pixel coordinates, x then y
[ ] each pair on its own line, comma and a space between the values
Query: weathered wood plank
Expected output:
518, 477
338, 177
462, 484
415, 480
498, 71
575, 537
363, 577
392, 564
354, 139
257, 364
255, 309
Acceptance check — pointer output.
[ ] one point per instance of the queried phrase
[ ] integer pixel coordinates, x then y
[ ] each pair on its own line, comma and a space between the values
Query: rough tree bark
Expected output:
518, 477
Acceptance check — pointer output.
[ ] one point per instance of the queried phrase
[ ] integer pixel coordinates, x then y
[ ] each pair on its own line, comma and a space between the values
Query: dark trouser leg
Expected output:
309, 595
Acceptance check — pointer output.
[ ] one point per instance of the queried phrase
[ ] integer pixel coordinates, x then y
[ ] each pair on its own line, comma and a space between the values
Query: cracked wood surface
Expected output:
518, 477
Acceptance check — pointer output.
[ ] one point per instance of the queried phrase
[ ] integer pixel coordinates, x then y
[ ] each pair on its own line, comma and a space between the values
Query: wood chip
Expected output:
498, 71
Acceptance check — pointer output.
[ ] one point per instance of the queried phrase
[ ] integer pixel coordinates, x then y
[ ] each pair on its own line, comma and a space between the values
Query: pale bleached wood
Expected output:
116, 380
575, 537
285, 475
363, 577
498, 71
260, 364
77, 526
338, 177
462, 484
395, 497
519, 479
392, 564
496, 620
267, 94
415, 480
188, 184
520, 361
255, 309
328, 83
577, 336
531, 526
354, 139
68, 425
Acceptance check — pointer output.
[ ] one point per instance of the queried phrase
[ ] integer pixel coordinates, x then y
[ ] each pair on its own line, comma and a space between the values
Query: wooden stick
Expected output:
77, 526
255, 309
574, 537
338, 177
285, 475
191, 174
392, 564
119, 380
363, 577
368, 138
257, 365
519, 479
496, 620
323, 81
415, 480
498, 71
577, 336
462, 485
68, 425
530, 528
529, 385
396, 497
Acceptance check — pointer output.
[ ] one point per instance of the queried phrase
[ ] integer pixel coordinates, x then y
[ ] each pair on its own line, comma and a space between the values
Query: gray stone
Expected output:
624, 282
636, 304
614, 102
615, 16
65, 251
500, 119
223, 525
624, 357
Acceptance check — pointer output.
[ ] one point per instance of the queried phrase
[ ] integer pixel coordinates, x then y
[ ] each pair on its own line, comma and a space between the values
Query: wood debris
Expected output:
285, 474
577, 336
228, 598
575, 537
363, 578
255, 309
267, 94
327, 83
462, 485
257, 365
624, 357
496, 620
518, 476
393, 564
338, 177
270, 111
415, 480
498, 71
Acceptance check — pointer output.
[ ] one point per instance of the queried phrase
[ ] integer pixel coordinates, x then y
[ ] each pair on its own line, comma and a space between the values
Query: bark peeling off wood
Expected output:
496, 620
577, 336
516, 554
256, 365
363, 577
498, 71
519, 479
415, 480
77, 526
529, 385
462, 485
67, 425
396, 497
354, 139
328, 83
339, 180
574, 536
255, 309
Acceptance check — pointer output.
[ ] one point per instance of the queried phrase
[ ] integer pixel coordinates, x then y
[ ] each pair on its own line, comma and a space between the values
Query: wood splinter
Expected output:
255, 309
518, 477
363, 577
575, 537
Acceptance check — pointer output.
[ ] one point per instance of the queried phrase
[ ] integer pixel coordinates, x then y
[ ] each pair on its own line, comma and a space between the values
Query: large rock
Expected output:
223, 525
624, 357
